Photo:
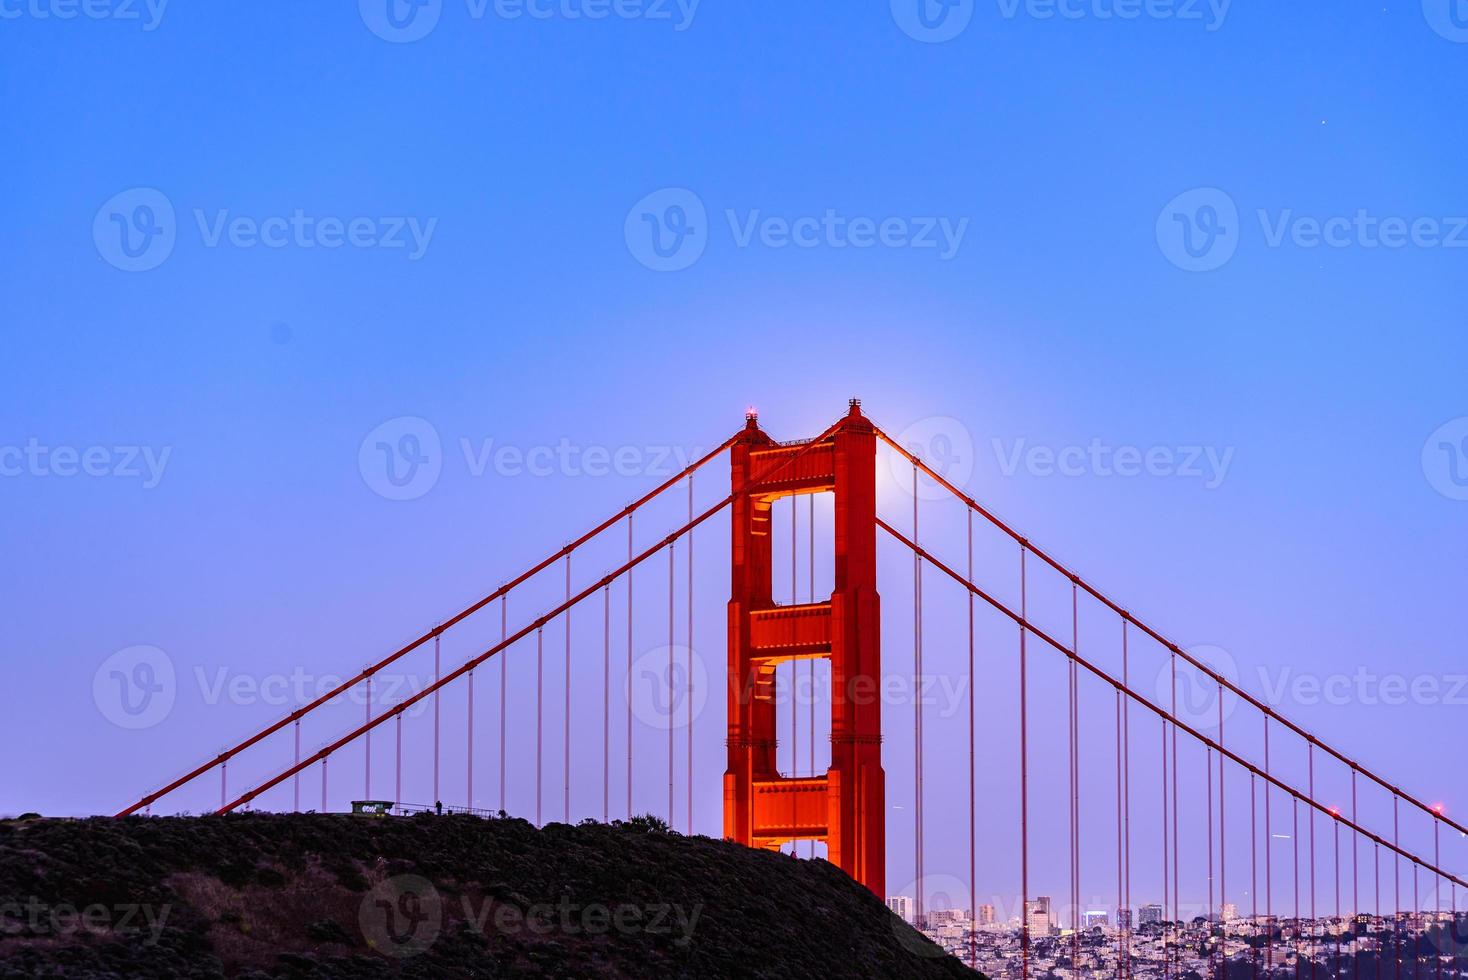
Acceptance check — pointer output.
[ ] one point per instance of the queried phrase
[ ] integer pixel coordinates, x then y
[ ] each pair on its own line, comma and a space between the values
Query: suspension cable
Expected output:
1116, 608
539, 623
1028, 627
458, 617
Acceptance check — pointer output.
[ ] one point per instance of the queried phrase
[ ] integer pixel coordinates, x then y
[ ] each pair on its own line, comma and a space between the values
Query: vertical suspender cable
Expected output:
504, 675
566, 709
1075, 784
918, 825
1222, 851
469, 748
1310, 755
1295, 840
1254, 859
688, 694
672, 728
606, 705
1024, 771
1397, 886
1176, 834
629, 669
323, 784
1340, 924
1355, 873
539, 720
398, 758
1121, 911
1268, 860
917, 670
1126, 773
367, 747
436, 675
1376, 861
973, 938
224, 783
297, 777
1167, 937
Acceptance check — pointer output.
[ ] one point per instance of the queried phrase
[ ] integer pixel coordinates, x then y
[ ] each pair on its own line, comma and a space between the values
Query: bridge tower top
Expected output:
844, 807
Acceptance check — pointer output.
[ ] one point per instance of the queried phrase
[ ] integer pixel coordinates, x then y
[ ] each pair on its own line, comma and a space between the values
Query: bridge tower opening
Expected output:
846, 807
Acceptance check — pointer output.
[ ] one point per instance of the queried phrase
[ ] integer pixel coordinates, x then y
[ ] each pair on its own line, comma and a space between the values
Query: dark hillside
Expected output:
304, 895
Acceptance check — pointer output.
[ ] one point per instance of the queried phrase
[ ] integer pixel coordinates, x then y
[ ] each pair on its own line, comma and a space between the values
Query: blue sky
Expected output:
330, 227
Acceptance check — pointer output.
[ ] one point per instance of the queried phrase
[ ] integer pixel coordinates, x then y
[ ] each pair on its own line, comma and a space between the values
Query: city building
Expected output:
986, 915
1037, 916
901, 906
1149, 915
1095, 917
1229, 912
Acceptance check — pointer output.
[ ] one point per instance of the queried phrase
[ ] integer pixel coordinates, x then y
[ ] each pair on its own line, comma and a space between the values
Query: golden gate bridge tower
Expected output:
844, 808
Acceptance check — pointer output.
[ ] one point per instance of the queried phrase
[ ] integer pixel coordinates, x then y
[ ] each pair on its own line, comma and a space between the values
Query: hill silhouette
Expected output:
305, 895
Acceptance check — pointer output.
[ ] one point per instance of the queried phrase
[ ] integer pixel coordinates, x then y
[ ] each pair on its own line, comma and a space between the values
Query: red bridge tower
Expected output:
845, 808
